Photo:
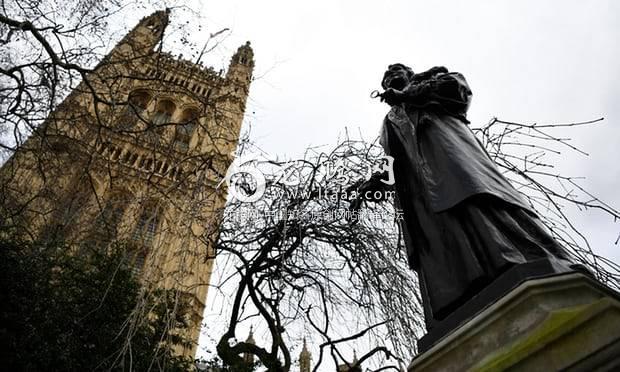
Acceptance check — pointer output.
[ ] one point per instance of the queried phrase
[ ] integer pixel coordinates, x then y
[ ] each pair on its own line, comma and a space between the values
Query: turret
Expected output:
143, 38
241, 65
247, 357
348, 367
304, 359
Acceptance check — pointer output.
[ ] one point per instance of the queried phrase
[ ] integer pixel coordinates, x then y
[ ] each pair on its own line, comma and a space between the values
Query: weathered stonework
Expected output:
141, 165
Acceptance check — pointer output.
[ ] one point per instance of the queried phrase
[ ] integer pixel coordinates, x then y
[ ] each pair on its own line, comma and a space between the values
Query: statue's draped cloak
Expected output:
463, 222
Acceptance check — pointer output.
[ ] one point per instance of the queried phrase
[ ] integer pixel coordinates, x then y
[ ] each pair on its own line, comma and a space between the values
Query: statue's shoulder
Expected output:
438, 70
429, 74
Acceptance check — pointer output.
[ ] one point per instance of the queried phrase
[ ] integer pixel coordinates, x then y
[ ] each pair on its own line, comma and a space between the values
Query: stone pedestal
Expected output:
562, 322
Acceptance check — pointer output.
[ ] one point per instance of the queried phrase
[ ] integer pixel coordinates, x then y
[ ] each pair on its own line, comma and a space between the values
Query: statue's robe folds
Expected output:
463, 222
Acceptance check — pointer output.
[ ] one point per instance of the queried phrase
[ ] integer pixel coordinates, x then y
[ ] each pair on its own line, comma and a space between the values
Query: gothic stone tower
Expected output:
133, 155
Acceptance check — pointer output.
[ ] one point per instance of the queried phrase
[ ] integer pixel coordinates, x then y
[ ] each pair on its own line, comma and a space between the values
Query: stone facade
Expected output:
134, 155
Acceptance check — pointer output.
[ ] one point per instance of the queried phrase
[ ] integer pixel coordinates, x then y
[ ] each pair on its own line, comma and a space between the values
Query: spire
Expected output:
143, 38
247, 357
241, 65
250, 339
156, 21
348, 367
243, 56
304, 358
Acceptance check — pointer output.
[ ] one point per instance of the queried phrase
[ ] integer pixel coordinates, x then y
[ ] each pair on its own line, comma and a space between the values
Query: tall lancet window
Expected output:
111, 216
106, 225
144, 235
185, 129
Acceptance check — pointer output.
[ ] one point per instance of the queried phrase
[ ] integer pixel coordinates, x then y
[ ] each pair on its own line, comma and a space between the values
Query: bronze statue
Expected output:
464, 224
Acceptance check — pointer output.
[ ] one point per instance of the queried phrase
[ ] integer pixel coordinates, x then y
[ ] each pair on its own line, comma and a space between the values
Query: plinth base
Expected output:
562, 322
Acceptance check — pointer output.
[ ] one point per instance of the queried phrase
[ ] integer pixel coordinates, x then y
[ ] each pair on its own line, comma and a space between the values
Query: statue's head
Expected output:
397, 76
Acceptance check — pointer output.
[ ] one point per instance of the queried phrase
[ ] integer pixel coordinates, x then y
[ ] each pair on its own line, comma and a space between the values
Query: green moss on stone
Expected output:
552, 328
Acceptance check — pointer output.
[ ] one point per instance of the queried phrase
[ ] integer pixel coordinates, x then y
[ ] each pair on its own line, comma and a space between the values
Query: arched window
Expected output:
63, 220
112, 213
144, 235
107, 222
137, 103
146, 227
185, 129
163, 113
164, 110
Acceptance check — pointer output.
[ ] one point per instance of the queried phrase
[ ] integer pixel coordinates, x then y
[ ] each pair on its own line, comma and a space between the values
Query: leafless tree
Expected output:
305, 262
67, 125
301, 254
302, 258
525, 153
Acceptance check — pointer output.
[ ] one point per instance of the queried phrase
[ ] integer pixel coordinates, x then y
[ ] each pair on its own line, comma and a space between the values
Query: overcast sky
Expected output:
527, 61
